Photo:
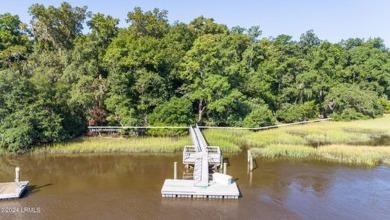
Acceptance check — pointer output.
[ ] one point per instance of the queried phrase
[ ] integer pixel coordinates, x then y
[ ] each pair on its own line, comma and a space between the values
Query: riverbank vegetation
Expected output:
57, 78
117, 144
362, 142
365, 142
228, 141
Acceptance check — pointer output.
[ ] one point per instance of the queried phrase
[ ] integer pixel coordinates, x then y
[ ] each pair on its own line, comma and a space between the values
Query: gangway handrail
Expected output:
195, 140
201, 139
201, 169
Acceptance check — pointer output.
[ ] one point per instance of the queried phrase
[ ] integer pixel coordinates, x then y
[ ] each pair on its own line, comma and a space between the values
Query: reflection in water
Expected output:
127, 186
217, 209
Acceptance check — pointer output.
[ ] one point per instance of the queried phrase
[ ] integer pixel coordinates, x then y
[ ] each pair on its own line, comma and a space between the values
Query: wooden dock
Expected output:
12, 190
221, 186
186, 189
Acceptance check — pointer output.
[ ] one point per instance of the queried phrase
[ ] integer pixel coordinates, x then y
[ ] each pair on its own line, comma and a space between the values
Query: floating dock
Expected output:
12, 190
201, 156
186, 189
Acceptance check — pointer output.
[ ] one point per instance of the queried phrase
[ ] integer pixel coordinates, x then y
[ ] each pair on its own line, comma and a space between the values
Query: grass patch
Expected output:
362, 155
366, 155
228, 140
272, 137
279, 150
110, 144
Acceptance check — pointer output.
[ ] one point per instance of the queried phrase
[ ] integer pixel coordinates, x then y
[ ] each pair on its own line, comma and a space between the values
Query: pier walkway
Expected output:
201, 168
200, 145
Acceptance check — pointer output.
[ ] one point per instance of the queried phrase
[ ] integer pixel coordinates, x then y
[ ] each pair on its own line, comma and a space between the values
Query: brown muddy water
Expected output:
127, 186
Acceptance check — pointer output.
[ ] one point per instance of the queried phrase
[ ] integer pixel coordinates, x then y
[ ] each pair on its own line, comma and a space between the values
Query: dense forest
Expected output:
56, 79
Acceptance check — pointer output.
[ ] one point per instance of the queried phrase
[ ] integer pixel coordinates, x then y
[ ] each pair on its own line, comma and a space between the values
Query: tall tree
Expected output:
208, 74
308, 40
57, 27
86, 70
151, 23
13, 41
201, 26
25, 119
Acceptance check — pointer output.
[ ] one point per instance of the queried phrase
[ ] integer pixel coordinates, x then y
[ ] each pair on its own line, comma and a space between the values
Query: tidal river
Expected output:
127, 186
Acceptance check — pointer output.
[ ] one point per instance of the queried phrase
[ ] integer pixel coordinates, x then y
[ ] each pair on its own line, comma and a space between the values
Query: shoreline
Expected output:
364, 142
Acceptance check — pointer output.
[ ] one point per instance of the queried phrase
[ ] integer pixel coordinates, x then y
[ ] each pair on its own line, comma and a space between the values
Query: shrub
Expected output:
348, 114
175, 112
349, 102
297, 112
260, 117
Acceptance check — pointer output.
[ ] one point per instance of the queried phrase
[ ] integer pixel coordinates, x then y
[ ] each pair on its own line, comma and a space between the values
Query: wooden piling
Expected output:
250, 160
17, 174
251, 164
224, 168
175, 170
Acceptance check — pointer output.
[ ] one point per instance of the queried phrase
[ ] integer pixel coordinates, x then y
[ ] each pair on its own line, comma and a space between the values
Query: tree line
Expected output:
56, 80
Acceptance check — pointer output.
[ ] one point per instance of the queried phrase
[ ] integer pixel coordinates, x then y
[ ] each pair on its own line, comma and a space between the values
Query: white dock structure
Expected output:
13, 190
200, 145
201, 168
221, 185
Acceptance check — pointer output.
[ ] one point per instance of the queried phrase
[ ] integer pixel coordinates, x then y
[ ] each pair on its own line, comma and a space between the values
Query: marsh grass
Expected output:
353, 142
323, 133
362, 155
364, 142
228, 140
110, 144
3, 152
366, 155
281, 150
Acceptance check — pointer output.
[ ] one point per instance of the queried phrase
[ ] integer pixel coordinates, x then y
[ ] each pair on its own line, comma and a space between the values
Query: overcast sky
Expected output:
331, 20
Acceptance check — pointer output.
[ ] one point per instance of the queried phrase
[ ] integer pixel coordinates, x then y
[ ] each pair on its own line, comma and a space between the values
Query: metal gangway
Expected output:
201, 155
199, 145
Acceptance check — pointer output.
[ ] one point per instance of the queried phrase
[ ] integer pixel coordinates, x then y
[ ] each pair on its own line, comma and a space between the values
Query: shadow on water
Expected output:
239, 190
255, 164
226, 160
32, 189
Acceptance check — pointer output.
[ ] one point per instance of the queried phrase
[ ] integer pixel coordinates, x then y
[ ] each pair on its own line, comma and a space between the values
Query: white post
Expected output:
251, 163
175, 170
221, 167
17, 174
250, 178
224, 168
